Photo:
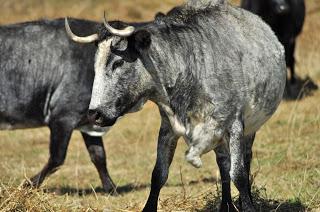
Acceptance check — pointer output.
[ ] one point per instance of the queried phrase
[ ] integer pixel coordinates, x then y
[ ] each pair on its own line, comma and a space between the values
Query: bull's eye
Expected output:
117, 64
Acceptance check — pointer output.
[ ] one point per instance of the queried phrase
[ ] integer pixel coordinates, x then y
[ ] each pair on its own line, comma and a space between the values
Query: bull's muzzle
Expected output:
95, 116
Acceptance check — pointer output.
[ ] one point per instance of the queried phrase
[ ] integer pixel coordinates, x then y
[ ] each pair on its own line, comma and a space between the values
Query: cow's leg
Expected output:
290, 60
223, 160
167, 143
98, 157
238, 171
60, 133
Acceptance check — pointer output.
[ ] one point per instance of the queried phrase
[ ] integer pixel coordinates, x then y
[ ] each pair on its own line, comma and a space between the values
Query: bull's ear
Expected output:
141, 40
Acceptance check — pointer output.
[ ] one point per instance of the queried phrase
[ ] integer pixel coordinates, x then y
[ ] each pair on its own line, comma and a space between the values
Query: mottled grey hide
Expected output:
216, 69
217, 74
286, 18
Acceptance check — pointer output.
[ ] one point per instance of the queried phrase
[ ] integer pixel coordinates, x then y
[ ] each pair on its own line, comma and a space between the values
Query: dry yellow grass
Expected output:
286, 160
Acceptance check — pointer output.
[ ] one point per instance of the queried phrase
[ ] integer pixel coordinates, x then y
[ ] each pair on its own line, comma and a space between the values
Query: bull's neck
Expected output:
172, 85
162, 96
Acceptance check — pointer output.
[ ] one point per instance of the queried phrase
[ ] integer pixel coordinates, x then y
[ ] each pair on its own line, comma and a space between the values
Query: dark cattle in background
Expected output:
46, 80
286, 18
217, 74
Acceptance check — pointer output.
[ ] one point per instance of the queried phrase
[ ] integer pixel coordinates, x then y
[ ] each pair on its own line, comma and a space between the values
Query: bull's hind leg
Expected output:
248, 142
98, 157
223, 160
238, 171
60, 133
248, 157
167, 143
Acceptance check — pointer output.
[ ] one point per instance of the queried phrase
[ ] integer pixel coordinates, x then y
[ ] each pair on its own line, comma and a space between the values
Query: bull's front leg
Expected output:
60, 134
98, 157
238, 172
167, 143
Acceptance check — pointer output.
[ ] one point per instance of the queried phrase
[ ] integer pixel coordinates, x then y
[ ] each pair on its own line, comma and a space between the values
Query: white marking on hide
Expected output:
94, 130
205, 137
46, 110
101, 58
176, 125
236, 149
102, 55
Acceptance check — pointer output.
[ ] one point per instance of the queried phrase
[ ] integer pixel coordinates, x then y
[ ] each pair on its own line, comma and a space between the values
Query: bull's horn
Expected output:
126, 32
86, 39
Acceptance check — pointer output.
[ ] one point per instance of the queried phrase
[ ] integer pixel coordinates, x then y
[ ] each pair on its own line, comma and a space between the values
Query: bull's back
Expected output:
264, 70
249, 70
37, 59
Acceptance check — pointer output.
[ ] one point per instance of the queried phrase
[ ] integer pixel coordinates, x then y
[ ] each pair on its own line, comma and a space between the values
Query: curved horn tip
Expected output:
67, 26
86, 39
122, 33
105, 22
66, 22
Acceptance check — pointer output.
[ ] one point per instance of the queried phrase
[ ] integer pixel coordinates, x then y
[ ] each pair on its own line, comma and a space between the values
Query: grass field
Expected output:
286, 164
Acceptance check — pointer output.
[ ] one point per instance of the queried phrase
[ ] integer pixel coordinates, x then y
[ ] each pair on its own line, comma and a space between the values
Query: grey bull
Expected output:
46, 80
217, 74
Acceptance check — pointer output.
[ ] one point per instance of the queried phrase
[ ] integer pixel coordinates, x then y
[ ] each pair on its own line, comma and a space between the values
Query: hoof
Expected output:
31, 183
111, 189
27, 184
112, 192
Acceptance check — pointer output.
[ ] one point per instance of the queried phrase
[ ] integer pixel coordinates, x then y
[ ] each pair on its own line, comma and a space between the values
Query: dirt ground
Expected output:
286, 164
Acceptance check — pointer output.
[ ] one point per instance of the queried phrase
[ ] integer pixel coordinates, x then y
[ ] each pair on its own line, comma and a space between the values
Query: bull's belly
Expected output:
257, 114
16, 126
13, 117
205, 137
261, 106
91, 130
254, 121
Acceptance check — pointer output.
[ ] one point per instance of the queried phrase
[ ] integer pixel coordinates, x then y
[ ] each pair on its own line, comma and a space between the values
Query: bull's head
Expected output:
121, 81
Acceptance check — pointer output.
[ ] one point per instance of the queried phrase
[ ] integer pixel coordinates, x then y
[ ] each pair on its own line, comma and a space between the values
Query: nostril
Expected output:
93, 115
97, 116
91, 112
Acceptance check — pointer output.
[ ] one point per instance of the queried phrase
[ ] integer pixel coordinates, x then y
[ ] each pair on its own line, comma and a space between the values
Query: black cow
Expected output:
286, 18
46, 79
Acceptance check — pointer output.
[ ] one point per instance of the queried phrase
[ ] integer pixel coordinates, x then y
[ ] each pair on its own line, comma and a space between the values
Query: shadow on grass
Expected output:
300, 89
88, 191
120, 189
261, 202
